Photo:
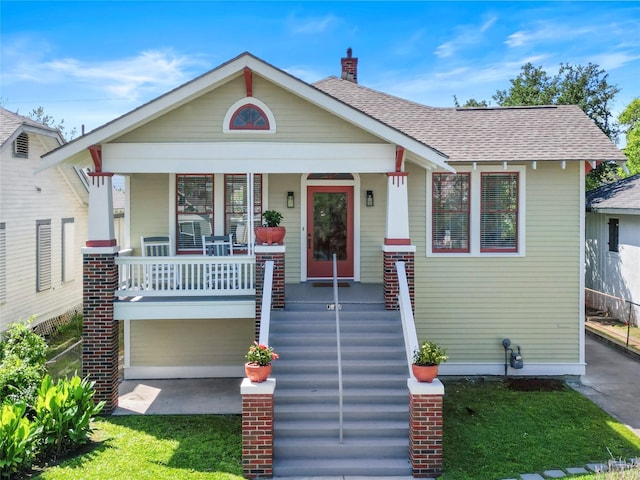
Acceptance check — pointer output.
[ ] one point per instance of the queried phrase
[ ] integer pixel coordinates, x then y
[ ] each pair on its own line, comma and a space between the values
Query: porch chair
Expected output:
219, 276
159, 276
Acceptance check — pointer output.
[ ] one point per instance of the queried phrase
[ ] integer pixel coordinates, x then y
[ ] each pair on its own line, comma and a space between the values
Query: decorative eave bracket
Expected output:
248, 81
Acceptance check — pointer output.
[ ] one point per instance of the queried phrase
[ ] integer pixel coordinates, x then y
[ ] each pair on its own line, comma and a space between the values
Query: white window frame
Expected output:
475, 213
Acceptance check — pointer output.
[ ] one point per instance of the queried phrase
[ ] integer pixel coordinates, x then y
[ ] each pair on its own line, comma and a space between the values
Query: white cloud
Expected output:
613, 60
467, 35
305, 73
313, 25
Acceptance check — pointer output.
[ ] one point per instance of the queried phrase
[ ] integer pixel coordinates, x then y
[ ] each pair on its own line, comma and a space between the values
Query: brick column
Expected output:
264, 253
100, 329
393, 254
425, 427
257, 428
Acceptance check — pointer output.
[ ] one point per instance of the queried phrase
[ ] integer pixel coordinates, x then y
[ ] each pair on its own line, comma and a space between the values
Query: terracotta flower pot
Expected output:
269, 235
257, 373
425, 373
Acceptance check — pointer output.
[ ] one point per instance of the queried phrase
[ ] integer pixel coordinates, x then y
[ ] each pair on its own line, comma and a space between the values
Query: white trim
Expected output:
175, 310
247, 387
100, 250
232, 69
157, 373
474, 222
262, 157
399, 248
127, 344
529, 369
355, 183
245, 101
434, 387
582, 267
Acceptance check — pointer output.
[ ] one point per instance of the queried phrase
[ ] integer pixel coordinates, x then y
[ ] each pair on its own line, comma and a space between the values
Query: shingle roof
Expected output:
624, 194
556, 132
10, 122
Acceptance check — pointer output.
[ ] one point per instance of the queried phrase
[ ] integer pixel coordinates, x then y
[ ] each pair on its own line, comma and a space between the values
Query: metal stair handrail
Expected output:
406, 313
265, 309
337, 310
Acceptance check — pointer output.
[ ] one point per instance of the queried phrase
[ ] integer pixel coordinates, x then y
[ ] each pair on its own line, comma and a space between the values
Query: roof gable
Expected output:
222, 74
12, 125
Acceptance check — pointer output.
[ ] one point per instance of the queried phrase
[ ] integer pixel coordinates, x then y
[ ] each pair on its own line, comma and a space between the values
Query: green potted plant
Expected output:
426, 359
258, 365
270, 233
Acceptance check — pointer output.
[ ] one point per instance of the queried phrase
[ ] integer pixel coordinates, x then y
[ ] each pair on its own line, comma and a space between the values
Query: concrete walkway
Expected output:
612, 382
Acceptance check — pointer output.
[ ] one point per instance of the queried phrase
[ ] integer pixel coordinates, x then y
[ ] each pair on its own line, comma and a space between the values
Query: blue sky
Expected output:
88, 62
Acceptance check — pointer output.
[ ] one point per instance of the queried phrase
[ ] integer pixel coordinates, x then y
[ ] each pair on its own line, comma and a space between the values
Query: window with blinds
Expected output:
43, 255
3, 263
499, 212
450, 212
236, 200
194, 211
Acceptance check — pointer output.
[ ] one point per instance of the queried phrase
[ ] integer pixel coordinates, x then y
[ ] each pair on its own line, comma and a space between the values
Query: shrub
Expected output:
64, 411
22, 363
16, 439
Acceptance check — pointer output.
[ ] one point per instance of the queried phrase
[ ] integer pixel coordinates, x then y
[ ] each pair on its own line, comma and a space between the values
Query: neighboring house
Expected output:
43, 225
613, 248
486, 206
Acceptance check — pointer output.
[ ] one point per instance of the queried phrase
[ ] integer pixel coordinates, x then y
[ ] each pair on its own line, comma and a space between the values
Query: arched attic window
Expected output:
249, 115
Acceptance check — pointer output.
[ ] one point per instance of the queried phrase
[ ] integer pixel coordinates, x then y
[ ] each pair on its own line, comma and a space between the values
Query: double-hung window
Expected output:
476, 212
236, 201
194, 211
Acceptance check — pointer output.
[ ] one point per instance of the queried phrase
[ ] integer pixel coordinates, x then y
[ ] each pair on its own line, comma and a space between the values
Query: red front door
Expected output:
329, 231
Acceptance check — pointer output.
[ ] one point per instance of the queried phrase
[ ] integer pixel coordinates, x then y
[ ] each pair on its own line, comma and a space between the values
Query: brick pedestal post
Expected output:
264, 253
393, 254
425, 427
257, 428
100, 330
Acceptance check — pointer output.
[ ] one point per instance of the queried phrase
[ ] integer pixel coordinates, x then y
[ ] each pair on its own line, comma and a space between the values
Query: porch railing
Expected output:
185, 276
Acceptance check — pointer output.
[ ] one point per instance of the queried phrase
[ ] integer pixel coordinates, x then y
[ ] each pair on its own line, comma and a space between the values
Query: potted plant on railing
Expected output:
426, 359
259, 358
270, 232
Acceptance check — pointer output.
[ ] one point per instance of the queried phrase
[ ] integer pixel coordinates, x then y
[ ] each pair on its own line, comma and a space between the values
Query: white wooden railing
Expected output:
186, 275
265, 309
406, 313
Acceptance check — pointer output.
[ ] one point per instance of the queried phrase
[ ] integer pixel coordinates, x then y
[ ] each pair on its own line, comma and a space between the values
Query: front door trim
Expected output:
304, 183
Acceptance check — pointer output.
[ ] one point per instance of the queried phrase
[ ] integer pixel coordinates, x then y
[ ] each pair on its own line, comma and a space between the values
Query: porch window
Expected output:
450, 218
236, 198
499, 212
43, 255
194, 211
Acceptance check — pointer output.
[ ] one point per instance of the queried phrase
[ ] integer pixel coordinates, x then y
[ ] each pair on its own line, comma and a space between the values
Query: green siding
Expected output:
471, 303
201, 120
372, 227
190, 342
149, 197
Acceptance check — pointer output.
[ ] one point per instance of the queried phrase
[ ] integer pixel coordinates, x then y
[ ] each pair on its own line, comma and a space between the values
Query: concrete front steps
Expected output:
306, 403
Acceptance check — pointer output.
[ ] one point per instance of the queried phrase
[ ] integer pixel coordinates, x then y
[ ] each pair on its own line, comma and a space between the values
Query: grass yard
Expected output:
490, 432
493, 432
158, 447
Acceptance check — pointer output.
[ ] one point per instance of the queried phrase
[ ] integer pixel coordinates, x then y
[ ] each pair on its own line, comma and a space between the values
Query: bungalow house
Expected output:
484, 205
43, 224
613, 248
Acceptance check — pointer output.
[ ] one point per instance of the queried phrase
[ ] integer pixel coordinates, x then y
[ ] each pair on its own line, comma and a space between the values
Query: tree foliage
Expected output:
39, 115
629, 120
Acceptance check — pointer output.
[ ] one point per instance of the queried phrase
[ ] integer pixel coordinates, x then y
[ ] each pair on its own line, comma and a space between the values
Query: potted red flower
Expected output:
259, 358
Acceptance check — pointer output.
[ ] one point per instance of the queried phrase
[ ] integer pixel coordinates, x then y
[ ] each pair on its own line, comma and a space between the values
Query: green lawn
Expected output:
490, 432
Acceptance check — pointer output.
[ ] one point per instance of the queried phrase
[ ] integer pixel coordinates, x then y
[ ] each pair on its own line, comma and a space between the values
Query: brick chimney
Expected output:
349, 67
